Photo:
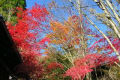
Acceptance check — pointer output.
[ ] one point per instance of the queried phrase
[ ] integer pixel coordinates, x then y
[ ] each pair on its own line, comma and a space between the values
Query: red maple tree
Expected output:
30, 23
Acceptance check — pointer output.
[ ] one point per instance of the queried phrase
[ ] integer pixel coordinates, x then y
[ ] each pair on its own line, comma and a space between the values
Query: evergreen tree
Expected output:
8, 9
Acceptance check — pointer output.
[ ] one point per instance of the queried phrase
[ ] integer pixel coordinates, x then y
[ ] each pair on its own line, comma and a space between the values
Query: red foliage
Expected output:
54, 65
94, 60
86, 64
25, 33
116, 44
30, 65
78, 73
102, 43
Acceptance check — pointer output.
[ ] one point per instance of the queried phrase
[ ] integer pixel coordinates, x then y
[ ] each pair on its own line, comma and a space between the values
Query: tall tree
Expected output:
109, 16
58, 38
68, 36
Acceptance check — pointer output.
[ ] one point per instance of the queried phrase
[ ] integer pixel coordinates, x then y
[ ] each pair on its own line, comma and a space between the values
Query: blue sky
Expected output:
59, 13
30, 3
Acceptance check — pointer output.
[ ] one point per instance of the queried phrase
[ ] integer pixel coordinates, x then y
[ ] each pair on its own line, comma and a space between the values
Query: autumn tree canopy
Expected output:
57, 48
24, 34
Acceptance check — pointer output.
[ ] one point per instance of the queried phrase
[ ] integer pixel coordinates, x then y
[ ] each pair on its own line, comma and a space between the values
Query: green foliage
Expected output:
8, 9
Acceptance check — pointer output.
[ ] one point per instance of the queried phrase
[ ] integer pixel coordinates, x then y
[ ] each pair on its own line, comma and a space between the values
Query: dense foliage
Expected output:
70, 49
8, 9
25, 33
